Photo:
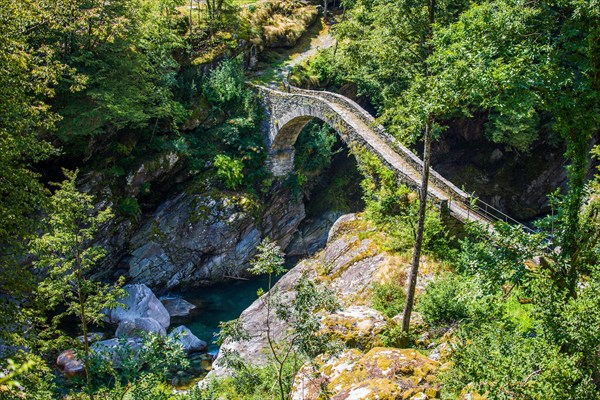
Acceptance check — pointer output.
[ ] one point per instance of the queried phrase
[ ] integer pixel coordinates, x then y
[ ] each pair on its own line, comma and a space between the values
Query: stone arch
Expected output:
287, 121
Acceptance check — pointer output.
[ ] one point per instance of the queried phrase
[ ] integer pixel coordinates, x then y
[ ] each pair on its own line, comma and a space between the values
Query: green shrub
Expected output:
443, 301
314, 148
392, 336
452, 298
394, 209
130, 208
498, 360
229, 171
225, 84
389, 298
248, 382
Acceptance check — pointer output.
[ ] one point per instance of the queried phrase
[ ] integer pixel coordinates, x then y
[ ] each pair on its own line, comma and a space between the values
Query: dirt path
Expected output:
317, 37
322, 41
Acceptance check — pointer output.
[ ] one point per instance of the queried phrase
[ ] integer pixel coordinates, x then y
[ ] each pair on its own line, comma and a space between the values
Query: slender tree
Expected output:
65, 257
416, 257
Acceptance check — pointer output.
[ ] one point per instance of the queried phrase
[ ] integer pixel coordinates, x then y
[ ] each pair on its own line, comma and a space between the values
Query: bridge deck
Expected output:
392, 158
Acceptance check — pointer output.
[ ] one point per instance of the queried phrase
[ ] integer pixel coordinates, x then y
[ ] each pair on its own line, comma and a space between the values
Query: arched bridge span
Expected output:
289, 111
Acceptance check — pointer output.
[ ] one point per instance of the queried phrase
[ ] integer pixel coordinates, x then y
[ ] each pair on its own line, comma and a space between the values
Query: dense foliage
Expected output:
104, 86
107, 86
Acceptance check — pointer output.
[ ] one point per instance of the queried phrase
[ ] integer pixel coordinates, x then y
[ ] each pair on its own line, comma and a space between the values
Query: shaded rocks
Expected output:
312, 235
382, 373
194, 239
118, 350
140, 303
188, 340
177, 307
68, 364
130, 328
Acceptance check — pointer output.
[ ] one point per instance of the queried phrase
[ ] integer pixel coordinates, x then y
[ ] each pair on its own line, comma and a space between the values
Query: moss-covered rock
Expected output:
357, 327
382, 373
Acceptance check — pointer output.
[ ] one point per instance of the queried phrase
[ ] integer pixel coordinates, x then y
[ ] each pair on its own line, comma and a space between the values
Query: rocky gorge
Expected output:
350, 264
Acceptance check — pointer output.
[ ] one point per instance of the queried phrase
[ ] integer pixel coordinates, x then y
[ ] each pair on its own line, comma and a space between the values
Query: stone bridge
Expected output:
288, 112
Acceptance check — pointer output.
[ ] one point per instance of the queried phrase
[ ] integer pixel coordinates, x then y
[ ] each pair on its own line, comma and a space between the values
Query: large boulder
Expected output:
177, 307
312, 235
382, 373
188, 340
68, 364
131, 328
141, 303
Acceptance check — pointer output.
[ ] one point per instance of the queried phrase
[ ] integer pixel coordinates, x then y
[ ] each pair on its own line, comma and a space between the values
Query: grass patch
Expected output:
273, 62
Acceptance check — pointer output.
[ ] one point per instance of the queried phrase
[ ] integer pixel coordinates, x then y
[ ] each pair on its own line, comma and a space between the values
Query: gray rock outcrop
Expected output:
132, 328
191, 239
177, 307
348, 265
188, 340
312, 235
140, 303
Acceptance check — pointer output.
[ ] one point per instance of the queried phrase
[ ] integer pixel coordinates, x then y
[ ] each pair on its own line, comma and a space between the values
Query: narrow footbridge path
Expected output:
289, 110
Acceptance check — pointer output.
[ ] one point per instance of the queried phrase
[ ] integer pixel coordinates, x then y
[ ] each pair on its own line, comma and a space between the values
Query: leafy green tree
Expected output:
29, 76
396, 76
216, 11
382, 46
301, 338
543, 68
123, 52
65, 257
554, 354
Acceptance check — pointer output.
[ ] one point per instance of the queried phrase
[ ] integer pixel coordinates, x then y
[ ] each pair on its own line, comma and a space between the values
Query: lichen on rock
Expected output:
381, 373
356, 327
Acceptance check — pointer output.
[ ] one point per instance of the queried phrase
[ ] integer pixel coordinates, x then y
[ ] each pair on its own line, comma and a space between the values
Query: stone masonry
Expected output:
288, 112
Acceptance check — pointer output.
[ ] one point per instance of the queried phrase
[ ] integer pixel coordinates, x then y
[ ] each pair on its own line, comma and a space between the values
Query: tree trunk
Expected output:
414, 267
84, 323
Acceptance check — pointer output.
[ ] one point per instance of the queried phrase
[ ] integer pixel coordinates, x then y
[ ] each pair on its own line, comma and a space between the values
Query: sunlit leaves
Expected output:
65, 256
268, 260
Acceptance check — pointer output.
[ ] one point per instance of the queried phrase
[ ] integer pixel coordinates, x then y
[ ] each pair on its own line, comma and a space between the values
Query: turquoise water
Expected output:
220, 302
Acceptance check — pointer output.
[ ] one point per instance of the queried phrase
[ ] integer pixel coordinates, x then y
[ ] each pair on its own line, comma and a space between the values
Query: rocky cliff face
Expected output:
196, 239
193, 239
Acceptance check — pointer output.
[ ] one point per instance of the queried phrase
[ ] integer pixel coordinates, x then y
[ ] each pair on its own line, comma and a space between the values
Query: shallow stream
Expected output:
221, 302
